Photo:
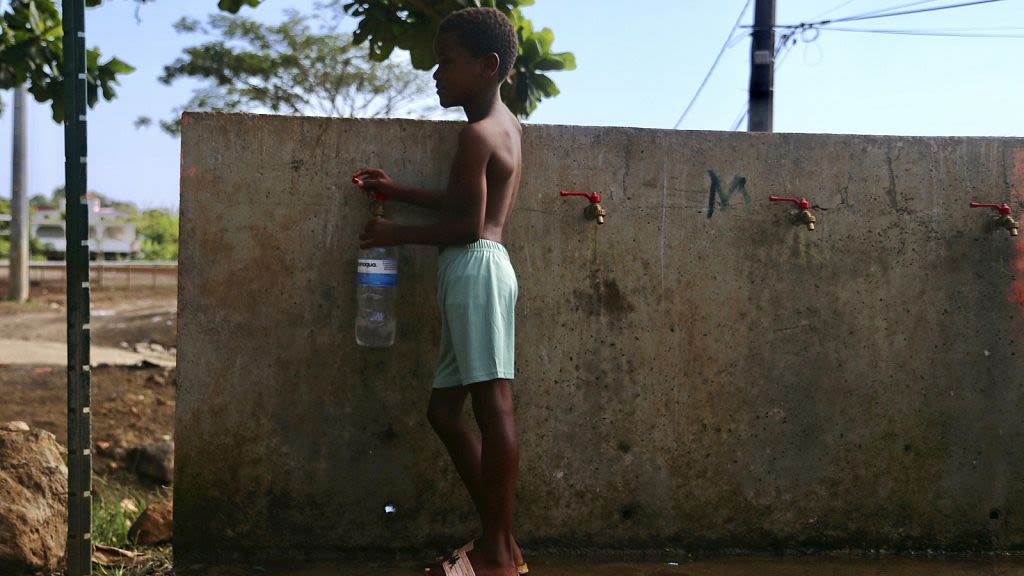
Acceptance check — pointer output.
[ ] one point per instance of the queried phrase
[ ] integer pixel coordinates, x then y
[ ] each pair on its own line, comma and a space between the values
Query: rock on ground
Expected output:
154, 526
33, 500
154, 461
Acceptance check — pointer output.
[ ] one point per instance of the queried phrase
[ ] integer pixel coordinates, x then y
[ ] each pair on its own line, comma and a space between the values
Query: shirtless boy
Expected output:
477, 286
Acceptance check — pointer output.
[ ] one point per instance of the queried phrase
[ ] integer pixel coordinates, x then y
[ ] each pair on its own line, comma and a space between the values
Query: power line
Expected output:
887, 13
932, 33
918, 11
714, 64
892, 8
843, 5
964, 32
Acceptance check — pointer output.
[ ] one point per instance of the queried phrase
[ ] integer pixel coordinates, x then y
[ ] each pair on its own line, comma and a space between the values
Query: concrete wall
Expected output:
687, 376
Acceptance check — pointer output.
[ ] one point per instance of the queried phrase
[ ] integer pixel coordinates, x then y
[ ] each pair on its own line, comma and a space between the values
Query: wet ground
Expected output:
747, 566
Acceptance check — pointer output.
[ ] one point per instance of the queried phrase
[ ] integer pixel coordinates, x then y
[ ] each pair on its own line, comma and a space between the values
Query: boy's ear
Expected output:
491, 63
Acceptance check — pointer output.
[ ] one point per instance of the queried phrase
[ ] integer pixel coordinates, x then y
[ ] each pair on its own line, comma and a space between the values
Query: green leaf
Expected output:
530, 49
545, 85
119, 66
234, 6
544, 39
568, 59
54, 32
35, 21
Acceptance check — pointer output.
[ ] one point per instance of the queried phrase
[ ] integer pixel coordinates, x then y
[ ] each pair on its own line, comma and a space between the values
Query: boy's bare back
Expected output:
486, 171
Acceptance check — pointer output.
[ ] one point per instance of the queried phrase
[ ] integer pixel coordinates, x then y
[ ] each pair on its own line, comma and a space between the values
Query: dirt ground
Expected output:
132, 402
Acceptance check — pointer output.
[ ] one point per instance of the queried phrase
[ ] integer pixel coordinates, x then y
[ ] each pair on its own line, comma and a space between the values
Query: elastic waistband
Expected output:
478, 246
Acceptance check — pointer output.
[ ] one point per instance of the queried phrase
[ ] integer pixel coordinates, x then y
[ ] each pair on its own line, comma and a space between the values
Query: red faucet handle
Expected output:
1002, 208
594, 197
801, 203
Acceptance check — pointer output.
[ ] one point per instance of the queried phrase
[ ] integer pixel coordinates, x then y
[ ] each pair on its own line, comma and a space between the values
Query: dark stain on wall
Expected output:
603, 297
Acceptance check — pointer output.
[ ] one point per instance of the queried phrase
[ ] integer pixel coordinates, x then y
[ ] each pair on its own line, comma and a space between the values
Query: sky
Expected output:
638, 64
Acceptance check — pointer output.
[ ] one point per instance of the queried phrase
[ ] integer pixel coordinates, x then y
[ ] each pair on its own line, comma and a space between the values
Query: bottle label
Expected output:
376, 272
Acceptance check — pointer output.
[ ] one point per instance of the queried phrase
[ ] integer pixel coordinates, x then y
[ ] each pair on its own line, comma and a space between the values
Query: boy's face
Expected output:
459, 76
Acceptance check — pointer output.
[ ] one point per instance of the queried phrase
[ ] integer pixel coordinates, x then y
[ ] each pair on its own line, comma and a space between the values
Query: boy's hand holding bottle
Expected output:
378, 231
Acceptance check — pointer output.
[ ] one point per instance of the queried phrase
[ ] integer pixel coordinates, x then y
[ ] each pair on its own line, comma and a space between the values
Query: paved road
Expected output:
124, 331
37, 352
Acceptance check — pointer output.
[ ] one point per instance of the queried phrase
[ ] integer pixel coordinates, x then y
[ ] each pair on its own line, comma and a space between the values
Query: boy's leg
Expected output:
445, 416
464, 447
499, 467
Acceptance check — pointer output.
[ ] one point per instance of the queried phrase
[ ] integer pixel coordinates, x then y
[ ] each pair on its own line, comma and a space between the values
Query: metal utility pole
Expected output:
79, 545
762, 67
19, 200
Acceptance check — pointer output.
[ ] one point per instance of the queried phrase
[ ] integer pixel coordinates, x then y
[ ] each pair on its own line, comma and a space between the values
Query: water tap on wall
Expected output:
804, 217
1004, 219
594, 211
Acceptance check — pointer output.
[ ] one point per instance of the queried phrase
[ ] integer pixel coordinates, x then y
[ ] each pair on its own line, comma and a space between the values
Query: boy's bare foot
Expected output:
517, 554
482, 564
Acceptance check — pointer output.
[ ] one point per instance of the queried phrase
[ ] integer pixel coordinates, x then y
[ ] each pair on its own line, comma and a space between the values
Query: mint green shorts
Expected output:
476, 292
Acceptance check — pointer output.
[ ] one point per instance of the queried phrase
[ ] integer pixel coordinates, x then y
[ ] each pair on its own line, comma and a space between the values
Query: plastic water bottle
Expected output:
376, 284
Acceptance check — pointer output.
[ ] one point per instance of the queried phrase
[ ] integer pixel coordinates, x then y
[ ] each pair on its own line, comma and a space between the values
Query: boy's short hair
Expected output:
482, 31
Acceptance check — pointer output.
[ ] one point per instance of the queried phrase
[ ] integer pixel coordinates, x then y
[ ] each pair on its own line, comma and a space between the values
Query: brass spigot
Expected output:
594, 211
378, 208
1007, 221
804, 216
1004, 220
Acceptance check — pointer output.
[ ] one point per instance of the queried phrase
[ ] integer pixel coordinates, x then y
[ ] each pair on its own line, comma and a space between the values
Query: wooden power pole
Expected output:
762, 67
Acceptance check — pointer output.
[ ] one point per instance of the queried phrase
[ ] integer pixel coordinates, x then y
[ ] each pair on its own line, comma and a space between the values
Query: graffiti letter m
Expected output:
738, 184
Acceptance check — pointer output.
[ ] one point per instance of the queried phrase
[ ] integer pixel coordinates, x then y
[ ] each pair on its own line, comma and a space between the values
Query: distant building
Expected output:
111, 233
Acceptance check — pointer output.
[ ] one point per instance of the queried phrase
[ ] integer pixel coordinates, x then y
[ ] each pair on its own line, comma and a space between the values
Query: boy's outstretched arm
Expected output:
462, 209
377, 180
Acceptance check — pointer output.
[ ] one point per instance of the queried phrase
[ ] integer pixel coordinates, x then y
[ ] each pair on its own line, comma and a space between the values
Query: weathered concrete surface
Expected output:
687, 376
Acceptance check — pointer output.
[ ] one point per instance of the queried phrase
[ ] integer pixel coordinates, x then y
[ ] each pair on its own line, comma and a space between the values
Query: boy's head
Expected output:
475, 48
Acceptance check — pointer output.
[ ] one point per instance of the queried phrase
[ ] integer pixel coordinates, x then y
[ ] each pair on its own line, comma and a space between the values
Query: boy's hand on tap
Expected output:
374, 180
379, 232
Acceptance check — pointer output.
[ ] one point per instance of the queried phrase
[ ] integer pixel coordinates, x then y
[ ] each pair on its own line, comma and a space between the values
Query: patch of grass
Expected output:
111, 521
157, 562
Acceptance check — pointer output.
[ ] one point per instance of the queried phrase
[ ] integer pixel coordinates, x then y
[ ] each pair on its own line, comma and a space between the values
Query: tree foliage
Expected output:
159, 232
411, 25
288, 68
32, 51
5, 227
36, 249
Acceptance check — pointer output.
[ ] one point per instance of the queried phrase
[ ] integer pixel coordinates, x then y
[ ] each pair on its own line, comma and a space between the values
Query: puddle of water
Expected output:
552, 566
